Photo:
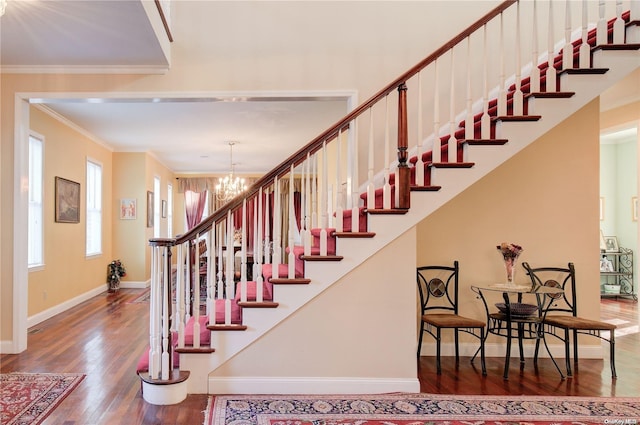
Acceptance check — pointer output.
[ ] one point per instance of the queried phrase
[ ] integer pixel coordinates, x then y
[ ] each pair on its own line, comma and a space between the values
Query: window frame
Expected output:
88, 204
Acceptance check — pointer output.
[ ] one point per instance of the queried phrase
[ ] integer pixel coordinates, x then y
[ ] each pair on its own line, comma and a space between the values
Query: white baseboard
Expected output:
311, 385
49, 313
130, 284
498, 350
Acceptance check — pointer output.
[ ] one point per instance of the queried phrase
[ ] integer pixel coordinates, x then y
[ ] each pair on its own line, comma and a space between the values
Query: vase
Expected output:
510, 263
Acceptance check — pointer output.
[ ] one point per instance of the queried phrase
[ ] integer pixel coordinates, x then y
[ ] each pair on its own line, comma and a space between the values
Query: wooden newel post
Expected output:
403, 180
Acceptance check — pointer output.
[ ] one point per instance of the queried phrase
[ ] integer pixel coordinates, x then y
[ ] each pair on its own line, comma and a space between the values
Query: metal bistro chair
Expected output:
438, 287
561, 318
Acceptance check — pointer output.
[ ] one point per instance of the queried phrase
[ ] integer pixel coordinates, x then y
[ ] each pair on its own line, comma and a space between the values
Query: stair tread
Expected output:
195, 350
354, 234
322, 257
392, 211
258, 304
225, 327
287, 281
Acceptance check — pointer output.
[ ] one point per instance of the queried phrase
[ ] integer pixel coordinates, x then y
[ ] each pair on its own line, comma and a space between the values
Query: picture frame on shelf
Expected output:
67, 198
128, 209
602, 208
611, 243
603, 244
634, 208
149, 208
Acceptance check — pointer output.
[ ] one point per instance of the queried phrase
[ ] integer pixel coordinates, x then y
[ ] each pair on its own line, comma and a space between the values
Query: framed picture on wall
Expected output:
634, 208
164, 209
67, 196
611, 243
149, 208
601, 208
128, 209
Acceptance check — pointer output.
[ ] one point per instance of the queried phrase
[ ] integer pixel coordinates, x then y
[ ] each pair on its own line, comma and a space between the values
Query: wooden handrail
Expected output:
332, 132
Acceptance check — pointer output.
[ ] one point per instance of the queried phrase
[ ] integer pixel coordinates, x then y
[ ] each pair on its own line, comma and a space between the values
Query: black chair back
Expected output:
561, 277
438, 287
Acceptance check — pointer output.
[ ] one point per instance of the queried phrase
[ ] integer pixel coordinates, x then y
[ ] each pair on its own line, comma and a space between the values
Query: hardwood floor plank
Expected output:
104, 337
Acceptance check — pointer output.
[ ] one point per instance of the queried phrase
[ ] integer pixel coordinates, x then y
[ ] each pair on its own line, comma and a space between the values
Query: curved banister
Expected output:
332, 132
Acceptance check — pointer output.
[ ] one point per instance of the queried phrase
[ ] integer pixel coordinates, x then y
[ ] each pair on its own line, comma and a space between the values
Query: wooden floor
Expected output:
105, 336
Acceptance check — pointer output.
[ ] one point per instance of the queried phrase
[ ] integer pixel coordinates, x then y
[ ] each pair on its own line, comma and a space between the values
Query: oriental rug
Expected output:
28, 398
419, 409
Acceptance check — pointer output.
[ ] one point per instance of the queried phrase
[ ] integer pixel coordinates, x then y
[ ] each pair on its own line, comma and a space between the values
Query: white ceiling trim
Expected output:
82, 69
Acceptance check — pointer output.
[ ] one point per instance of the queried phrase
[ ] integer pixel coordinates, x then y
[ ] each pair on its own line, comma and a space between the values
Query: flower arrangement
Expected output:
510, 250
510, 253
115, 271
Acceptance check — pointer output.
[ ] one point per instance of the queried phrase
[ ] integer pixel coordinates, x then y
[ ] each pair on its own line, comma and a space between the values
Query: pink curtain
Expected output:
194, 203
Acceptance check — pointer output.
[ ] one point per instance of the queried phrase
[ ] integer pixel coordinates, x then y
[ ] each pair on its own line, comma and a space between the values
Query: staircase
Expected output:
328, 219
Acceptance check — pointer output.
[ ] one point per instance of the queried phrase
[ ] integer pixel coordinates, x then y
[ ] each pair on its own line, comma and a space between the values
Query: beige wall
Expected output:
68, 273
545, 198
363, 326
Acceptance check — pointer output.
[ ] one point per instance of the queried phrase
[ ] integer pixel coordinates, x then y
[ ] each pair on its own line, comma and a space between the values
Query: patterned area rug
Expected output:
419, 409
28, 398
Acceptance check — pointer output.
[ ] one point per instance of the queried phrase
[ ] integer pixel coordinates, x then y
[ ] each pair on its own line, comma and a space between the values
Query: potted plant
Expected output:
115, 271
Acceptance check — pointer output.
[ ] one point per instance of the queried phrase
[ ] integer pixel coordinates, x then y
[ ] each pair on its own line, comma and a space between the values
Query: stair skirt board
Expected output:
311, 385
497, 349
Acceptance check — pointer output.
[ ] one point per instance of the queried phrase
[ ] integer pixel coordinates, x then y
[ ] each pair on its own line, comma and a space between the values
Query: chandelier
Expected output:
230, 186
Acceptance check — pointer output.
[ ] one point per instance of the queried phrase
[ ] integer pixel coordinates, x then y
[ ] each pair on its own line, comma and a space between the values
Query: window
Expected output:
94, 208
35, 256
169, 210
156, 207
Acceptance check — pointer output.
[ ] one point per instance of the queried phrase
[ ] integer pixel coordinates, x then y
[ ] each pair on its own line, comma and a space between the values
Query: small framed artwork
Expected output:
149, 208
611, 243
67, 195
603, 244
634, 208
164, 209
128, 209
601, 208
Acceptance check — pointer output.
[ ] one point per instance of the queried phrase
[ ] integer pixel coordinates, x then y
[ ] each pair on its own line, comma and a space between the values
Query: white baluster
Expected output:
220, 275
371, 188
502, 96
584, 52
324, 204
567, 50
534, 78
211, 280
308, 238
601, 28
551, 71
314, 192
277, 230
180, 312
386, 189
257, 242
352, 176
618, 25
196, 293
485, 121
419, 162
518, 97
452, 142
436, 152
469, 132
186, 289
267, 231
339, 195
229, 275
243, 248
292, 225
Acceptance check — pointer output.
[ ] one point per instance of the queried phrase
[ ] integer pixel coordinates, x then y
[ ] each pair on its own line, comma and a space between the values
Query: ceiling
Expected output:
187, 134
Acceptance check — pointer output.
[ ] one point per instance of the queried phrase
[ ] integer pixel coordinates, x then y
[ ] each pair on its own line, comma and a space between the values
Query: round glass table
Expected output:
519, 316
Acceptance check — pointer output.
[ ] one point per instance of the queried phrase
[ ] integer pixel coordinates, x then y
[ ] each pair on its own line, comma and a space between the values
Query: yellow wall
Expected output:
545, 198
133, 178
68, 273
